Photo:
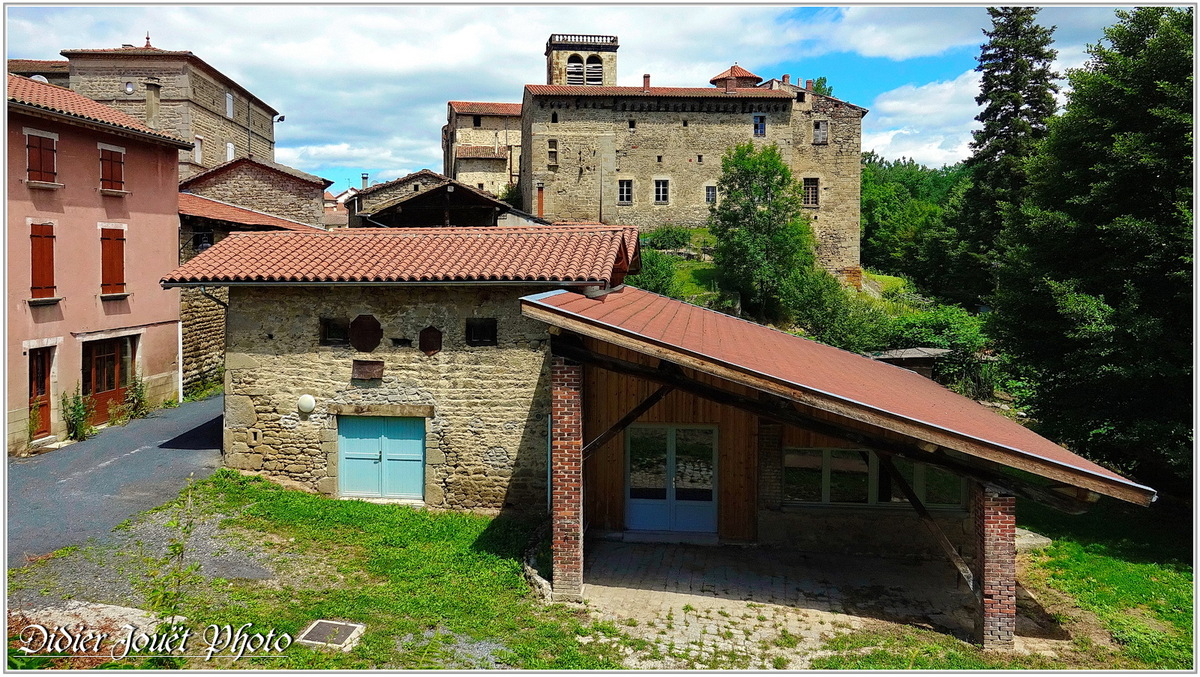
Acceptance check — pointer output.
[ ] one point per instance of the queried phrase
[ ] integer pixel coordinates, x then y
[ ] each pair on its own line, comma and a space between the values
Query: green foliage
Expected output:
1017, 95
136, 402
657, 274
206, 388
828, 312
1095, 286
19, 660
77, 410
512, 195
697, 280
762, 233
950, 327
668, 237
32, 423
821, 86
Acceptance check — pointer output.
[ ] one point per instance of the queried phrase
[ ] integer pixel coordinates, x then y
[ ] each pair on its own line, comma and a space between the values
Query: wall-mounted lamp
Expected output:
306, 404
129, 88
281, 118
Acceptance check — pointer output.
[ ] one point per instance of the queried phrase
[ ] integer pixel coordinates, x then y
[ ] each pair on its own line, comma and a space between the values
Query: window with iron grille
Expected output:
42, 153
760, 125
820, 132
41, 245
112, 261
112, 169
710, 194
811, 195
625, 191
662, 191
481, 331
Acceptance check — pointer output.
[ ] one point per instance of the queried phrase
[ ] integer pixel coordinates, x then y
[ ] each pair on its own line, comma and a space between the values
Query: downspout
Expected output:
370, 220
204, 292
179, 358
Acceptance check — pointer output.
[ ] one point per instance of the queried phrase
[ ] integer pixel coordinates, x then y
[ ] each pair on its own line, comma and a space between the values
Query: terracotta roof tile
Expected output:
682, 92
855, 380
255, 160
38, 66
485, 108
734, 71
481, 152
206, 207
60, 100
397, 255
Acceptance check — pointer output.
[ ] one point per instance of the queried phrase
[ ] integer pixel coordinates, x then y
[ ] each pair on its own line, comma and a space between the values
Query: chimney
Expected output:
153, 95
808, 85
787, 79
646, 81
729, 85
364, 180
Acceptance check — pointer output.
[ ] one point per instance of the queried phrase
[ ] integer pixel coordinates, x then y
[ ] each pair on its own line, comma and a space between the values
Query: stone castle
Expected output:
589, 150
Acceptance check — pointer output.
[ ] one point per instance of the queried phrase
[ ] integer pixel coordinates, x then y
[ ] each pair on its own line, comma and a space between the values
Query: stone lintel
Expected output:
414, 410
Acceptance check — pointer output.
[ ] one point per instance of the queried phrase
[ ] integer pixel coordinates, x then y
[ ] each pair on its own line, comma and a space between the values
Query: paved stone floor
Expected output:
704, 607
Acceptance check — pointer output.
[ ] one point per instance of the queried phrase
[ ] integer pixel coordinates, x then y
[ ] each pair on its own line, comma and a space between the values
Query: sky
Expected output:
364, 88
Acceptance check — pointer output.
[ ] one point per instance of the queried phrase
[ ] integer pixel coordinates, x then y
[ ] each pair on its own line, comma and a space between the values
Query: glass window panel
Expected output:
694, 464
849, 476
802, 475
648, 463
889, 491
125, 346
941, 487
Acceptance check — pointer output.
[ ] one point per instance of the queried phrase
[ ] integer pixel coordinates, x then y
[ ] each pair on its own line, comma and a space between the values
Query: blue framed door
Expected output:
381, 457
671, 478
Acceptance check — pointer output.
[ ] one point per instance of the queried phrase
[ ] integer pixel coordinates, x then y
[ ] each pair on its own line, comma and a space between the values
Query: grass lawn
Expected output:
696, 278
435, 590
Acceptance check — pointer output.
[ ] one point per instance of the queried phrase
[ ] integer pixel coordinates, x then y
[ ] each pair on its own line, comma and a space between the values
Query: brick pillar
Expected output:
995, 566
566, 479
770, 464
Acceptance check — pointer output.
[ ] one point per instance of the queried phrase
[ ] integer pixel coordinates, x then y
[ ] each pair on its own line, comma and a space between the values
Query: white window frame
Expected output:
624, 197
710, 195
198, 150
229, 105
760, 128
874, 468
665, 185
230, 151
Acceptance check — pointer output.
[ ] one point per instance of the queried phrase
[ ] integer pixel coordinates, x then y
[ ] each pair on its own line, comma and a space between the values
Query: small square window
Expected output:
633, 124
760, 125
481, 331
335, 331
700, 159
477, 121
480, 186
660, 158
685, 123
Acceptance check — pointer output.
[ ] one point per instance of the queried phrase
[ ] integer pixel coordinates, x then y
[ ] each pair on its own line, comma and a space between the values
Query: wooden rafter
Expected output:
633, 415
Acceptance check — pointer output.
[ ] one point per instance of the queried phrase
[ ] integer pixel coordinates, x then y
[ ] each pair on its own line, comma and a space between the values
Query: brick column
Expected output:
770, 464
566, 479
995, 566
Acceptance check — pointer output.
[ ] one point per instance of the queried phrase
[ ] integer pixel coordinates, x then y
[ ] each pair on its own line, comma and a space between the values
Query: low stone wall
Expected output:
486, 406
864, 531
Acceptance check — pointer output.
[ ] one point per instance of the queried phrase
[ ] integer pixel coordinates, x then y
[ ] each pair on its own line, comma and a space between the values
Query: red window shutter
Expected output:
112, 261
112, 166
41, 242
41, 158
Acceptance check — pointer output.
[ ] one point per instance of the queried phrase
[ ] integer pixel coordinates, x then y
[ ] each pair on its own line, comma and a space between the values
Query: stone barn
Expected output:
484, 368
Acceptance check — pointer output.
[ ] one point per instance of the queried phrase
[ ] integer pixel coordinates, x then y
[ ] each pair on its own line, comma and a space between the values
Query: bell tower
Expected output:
585, 60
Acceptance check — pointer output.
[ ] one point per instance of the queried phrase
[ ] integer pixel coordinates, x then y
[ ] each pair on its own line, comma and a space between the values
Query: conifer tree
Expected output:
1017, 94
1094, 291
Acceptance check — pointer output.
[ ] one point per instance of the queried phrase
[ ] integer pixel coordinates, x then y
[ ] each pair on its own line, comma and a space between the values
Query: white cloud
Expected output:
896, 33
929, 123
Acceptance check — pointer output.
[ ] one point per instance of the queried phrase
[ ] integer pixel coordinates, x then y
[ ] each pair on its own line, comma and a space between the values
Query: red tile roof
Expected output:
481, 152
485, 108
38, 66
23, 92
206, 207
682, 92
586, 254
260, 162
734, 71
854, 381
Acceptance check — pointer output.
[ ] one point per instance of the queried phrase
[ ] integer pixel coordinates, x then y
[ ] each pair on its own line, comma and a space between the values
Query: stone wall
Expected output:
682, 141
266, 190
416, 184
485, 174
502, 131
203, 334
488, 405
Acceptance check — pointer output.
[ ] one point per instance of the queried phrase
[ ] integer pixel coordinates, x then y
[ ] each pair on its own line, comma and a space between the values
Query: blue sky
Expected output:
364, 88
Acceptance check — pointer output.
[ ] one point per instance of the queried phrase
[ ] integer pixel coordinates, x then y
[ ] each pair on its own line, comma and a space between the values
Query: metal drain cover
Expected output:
332, 634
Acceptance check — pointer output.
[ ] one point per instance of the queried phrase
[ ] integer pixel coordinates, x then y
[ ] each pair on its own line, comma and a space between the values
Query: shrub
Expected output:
830, 313
512, 195
657, 274
668, 237
77, 411
136, 403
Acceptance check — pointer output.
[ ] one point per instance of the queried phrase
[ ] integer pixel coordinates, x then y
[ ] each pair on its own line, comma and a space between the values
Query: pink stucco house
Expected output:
92, 225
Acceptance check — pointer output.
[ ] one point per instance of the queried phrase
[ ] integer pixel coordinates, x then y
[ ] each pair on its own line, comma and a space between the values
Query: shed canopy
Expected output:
828, 379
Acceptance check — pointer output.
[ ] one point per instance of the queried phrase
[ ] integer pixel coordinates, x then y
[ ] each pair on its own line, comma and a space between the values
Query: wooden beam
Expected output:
927, 519
633, 415
783, 411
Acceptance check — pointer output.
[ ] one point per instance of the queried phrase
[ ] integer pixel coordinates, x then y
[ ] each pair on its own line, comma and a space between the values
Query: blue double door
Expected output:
671, 478
381, 457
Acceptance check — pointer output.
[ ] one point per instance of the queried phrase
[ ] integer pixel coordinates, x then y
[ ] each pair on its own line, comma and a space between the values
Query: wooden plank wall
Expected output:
608, 396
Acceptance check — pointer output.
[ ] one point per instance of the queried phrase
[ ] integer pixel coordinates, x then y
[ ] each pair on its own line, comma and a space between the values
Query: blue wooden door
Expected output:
381, 457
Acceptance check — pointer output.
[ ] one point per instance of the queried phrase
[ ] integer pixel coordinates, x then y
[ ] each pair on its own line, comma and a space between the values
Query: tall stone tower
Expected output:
581, 60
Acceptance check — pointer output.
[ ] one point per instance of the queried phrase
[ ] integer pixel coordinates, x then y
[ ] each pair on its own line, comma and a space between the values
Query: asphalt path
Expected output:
70, 495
